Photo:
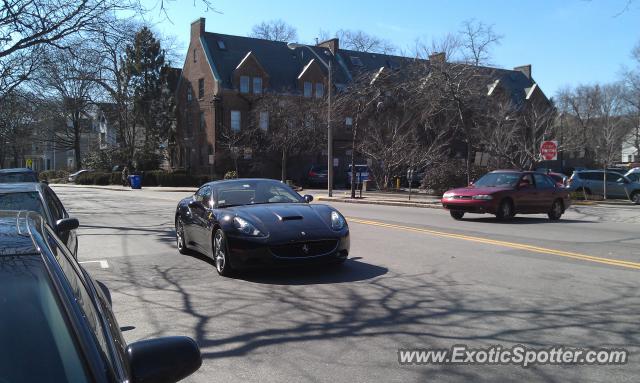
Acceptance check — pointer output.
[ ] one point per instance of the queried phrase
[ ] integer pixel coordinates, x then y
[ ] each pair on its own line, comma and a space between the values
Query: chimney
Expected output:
526, 69
197, 28
332, 44
438, 57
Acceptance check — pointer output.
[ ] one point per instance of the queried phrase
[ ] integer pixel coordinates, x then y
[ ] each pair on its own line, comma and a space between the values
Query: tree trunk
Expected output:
284, 165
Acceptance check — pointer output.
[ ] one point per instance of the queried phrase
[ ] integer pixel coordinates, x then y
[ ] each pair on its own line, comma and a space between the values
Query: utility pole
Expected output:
329, 140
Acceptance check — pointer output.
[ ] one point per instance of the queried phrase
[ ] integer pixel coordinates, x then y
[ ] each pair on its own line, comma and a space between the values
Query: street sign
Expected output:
29, 163
549, 150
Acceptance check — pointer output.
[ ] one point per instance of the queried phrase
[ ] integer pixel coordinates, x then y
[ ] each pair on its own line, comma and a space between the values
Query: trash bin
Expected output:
135, 181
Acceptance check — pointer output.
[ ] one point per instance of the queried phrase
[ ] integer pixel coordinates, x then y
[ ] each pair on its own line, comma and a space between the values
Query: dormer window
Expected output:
319, 90
221, 45
257, 85
244, 84
308, 88
355, 60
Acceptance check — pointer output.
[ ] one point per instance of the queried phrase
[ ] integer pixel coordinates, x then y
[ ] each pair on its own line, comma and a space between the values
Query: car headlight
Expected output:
448, 195
245, 227
337, 221
484, 197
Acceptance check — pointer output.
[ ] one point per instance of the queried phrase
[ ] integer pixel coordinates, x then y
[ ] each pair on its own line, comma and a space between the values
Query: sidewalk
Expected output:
181, 189
379, 198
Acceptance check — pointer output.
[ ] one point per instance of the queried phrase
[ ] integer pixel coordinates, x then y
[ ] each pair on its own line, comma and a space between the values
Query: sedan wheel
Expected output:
505, 210
635, 198
457, 215
221, 254
180, 237
556, 211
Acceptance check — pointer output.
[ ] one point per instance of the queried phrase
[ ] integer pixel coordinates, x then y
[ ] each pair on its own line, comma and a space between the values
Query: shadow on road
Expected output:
518, 220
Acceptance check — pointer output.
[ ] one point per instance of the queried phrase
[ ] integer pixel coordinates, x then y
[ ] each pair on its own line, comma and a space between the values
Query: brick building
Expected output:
223, 75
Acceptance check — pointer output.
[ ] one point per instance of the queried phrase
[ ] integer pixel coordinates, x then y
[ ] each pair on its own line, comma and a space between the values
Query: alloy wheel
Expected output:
220, 256
180, 240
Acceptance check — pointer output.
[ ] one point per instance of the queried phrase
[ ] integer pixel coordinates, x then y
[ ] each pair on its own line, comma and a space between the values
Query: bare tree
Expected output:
16, 123
363, 42
477, 39
611, 126
26, 26
69, 76
274, 30
631, 81
294, 125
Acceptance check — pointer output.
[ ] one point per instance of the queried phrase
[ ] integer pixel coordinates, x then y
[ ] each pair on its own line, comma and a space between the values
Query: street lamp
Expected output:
293, 46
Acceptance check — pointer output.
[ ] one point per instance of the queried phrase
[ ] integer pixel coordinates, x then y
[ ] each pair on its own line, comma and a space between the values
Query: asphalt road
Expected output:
415, 278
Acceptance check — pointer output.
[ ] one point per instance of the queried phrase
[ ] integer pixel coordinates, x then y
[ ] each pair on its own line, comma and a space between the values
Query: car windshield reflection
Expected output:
498, 180
238, 193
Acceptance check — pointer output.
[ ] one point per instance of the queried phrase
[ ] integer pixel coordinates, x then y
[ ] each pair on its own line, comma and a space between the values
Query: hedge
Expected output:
149, 178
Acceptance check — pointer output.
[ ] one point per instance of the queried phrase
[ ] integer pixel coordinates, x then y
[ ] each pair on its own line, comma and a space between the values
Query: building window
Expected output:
248, 153
189, 93
264, 121
257, 85
221, 45
195, 55
201, 88
235, 120
307, 88
189, 124
202, 121
348, 121
244, 84
319, 90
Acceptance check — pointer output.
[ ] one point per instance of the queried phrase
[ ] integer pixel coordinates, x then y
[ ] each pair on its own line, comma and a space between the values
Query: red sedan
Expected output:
506, 193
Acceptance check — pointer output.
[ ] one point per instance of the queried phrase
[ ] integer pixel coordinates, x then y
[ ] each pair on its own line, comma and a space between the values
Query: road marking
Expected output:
103, 264
513, 245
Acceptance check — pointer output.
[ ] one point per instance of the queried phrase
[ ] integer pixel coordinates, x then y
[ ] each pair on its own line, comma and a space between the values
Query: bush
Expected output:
232, 174
94, 179
48, 175
452, 174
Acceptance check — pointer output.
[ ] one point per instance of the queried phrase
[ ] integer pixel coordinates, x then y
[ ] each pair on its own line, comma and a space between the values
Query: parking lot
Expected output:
415, 278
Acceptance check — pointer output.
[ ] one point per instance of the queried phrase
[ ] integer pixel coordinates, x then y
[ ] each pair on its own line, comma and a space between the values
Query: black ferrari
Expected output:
247, 223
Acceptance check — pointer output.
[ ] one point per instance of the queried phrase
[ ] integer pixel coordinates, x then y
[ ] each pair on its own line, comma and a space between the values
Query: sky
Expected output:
567, 42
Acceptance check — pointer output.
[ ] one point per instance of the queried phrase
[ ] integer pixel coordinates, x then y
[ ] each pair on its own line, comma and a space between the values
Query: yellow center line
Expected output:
513, 245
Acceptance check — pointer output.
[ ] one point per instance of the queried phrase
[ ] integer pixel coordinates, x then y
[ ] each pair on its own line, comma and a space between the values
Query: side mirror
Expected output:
163, 360
65, 225
308, 198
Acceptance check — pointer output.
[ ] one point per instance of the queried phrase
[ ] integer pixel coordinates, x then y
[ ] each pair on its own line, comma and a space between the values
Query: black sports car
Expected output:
248, 223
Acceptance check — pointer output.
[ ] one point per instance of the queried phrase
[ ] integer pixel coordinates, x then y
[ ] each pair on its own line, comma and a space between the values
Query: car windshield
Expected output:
22, 201
252, 192
498, 180
10, 178
32, 323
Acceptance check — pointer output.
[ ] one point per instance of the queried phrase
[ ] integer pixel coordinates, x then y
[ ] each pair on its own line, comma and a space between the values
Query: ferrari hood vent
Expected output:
290, 218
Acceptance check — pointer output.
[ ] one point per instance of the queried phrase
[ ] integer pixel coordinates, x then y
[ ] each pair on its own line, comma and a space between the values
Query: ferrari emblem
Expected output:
305, 248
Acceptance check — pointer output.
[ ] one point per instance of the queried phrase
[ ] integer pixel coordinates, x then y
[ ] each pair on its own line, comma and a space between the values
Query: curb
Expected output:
383, 203
149, 188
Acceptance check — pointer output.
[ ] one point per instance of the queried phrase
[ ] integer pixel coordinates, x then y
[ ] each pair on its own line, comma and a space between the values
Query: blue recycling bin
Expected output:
135, 181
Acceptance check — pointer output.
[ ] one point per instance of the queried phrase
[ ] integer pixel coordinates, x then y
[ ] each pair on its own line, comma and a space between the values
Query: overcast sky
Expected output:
567, 42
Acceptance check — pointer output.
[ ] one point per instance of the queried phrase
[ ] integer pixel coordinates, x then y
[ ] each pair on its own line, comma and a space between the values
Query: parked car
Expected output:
39, 197
592, 182
633, 174
362, 174
74, 176
318, 176
560, 179
248, 223
56, 322
506, 193
16, 175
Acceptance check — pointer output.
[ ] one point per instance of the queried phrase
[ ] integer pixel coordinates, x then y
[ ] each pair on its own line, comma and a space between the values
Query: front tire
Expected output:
556, 210
181, 239
635, 197
505, 210
221, 254
457, 215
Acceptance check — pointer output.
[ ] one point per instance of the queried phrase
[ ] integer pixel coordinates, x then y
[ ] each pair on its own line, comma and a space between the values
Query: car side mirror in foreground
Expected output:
163, 360
308, 198
65, 225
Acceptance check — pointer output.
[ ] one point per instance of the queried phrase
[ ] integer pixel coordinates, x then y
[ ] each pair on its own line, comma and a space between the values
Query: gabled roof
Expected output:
284, 65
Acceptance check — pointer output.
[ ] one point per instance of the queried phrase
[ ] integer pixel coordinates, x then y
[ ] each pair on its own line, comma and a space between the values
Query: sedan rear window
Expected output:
9, 178
33, 327
22, 201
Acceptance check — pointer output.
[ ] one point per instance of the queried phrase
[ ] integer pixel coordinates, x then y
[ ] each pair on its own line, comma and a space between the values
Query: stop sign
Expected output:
549, 150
